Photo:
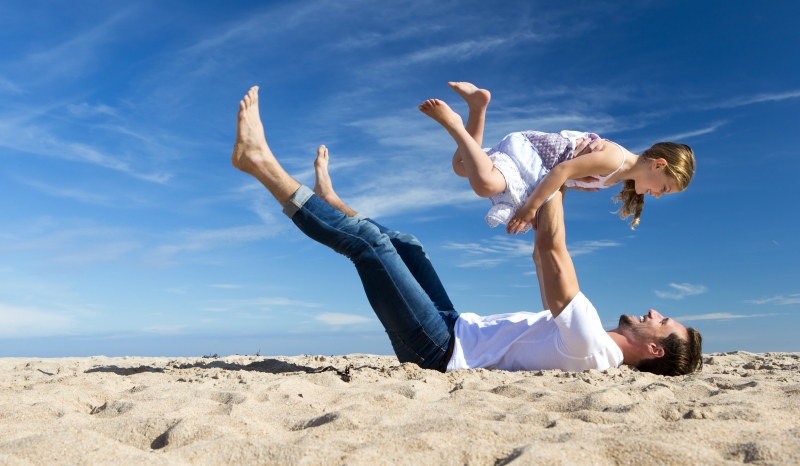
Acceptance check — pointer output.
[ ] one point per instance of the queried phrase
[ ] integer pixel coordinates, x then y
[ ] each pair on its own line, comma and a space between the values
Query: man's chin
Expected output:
626, 321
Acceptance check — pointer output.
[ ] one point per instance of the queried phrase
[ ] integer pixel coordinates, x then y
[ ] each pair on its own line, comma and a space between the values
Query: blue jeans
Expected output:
401, 285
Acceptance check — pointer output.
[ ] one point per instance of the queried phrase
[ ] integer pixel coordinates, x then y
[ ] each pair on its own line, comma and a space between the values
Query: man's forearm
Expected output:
550, 220
556, 268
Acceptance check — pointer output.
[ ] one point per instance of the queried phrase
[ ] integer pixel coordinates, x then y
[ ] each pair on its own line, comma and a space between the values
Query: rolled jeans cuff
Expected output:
297, 201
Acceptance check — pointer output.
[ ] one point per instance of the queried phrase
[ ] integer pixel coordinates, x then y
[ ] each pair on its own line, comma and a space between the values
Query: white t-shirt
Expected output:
573, 341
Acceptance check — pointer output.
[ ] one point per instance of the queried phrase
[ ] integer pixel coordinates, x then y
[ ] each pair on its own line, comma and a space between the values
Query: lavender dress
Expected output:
524, 158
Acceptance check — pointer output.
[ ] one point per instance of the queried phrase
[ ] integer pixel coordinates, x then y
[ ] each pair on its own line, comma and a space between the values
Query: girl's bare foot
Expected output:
476, 98
251, 146
323, 187
442, 113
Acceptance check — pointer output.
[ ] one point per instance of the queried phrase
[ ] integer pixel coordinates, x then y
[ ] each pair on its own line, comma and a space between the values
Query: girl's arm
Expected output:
594, 163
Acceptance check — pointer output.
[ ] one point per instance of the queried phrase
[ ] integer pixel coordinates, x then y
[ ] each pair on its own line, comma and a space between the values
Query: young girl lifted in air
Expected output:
527, 167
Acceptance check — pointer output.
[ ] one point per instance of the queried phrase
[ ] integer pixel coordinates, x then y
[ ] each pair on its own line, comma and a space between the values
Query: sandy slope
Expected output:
364, 409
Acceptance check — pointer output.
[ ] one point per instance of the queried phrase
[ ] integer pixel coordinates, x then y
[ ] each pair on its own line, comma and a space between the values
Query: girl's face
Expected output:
656, 182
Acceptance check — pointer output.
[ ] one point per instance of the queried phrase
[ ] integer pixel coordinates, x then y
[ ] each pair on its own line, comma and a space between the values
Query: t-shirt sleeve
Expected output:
581, 333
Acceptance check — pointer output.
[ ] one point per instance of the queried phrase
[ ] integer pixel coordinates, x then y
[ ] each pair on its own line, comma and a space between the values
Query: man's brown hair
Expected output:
681, 356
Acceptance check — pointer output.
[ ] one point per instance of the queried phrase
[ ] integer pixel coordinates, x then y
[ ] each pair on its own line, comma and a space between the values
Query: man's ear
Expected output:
655, 350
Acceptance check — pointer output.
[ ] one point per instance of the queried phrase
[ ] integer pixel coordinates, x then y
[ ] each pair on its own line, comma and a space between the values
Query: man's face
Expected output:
652, 326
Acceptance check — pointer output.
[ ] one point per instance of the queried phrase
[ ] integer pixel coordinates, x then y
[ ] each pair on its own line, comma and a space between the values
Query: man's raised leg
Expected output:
418, 332
323, 186
407, 246
252, 155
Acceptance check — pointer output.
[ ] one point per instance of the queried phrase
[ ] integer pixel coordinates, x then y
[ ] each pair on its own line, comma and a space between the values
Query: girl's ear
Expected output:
658, 164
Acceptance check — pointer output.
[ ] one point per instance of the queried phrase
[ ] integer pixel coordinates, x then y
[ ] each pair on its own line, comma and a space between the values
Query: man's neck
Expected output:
628, 356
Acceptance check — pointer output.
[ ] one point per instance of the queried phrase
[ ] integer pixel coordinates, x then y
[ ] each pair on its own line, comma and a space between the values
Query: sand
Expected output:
366, 409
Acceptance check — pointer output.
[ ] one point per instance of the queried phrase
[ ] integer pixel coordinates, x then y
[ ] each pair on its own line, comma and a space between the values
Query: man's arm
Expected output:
555, 267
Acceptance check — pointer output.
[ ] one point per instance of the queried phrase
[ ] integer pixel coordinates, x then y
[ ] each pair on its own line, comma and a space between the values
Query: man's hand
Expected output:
522, 217
584, 146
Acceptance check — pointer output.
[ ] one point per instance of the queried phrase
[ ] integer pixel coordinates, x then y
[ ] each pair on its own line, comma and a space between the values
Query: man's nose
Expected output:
655, 314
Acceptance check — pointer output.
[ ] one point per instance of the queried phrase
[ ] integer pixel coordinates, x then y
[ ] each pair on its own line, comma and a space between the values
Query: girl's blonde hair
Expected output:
680, 166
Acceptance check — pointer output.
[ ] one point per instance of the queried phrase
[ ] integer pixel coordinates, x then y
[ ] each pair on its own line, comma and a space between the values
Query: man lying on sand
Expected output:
411, 303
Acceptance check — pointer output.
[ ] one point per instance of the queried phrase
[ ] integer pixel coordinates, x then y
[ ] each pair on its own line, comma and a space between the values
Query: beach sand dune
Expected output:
366, 409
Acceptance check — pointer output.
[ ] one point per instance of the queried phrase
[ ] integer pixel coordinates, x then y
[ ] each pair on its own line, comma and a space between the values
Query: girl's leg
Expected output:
477, 100
485, 180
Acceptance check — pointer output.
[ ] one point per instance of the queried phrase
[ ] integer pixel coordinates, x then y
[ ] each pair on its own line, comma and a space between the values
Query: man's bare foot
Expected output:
323, 186
252, 155
251, 146
476, 98
442, 113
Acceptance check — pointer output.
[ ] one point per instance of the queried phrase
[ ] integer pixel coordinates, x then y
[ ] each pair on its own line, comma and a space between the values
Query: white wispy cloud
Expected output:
308, 175
334, 318
165, 329
689, 134
503, 248
200, 240
262, 203
681, 290
59, 236
720, 316
35, 139
758, 98
25, 321
588, 247
75, 56
373, 39
85, 110
67, 193
778, 300
263, 304
459, 51
8, 87
390, 202
96, 253
494, 251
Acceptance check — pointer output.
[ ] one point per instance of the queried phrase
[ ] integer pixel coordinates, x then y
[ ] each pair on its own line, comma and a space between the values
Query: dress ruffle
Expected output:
518, 158
522, 168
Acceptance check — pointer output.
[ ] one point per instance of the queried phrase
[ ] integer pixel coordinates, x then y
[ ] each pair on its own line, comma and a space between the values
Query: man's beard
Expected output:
627, 321
632, 323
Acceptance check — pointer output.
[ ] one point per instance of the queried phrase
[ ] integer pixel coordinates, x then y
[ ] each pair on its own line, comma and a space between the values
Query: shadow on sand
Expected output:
270, 366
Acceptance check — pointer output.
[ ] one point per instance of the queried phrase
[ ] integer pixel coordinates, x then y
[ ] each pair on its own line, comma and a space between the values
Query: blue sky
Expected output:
125, 231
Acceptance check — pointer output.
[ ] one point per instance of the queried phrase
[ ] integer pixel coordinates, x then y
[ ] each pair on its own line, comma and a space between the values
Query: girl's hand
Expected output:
523, 217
